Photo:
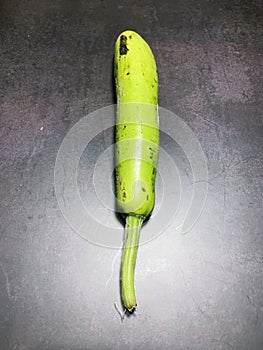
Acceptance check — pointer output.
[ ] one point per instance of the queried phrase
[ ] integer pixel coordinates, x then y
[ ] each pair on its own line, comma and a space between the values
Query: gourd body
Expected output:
137, 144
137, 133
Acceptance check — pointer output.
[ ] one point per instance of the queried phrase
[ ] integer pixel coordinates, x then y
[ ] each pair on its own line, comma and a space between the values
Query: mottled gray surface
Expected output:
202, 290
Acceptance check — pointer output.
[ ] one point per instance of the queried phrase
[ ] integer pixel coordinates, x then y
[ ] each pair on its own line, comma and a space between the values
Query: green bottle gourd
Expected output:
137, 144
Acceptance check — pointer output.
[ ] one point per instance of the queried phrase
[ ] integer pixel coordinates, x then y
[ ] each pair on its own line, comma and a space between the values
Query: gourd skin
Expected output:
137, 133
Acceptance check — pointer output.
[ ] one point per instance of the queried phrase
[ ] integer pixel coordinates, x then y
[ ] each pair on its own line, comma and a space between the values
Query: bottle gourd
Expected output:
136, 148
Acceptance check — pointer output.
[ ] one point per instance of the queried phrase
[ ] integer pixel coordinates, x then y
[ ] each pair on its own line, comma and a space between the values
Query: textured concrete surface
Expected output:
202, 290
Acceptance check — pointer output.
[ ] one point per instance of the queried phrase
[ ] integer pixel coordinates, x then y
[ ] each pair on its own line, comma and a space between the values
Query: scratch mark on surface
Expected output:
112, 268
231, 346
18, 239
63, 187
226, 78
7, 282
226, 169
221, 342
48, 339
155, 14
211, 122
191, 296
201, 181
254, 306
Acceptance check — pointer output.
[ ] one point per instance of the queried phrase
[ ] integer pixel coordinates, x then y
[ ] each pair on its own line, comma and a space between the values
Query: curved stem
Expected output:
132, 236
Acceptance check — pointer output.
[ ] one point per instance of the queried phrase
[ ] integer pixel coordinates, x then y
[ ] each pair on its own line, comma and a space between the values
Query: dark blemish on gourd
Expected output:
130, 36
124, 195
123, 45
147, 197
143, 189
127, 73
124, 127
153, 172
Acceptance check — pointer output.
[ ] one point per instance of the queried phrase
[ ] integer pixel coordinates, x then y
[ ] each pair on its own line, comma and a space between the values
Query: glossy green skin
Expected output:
137, 144
137, 121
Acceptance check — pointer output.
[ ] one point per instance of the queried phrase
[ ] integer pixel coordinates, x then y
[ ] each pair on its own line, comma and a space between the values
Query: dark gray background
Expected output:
202, 290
